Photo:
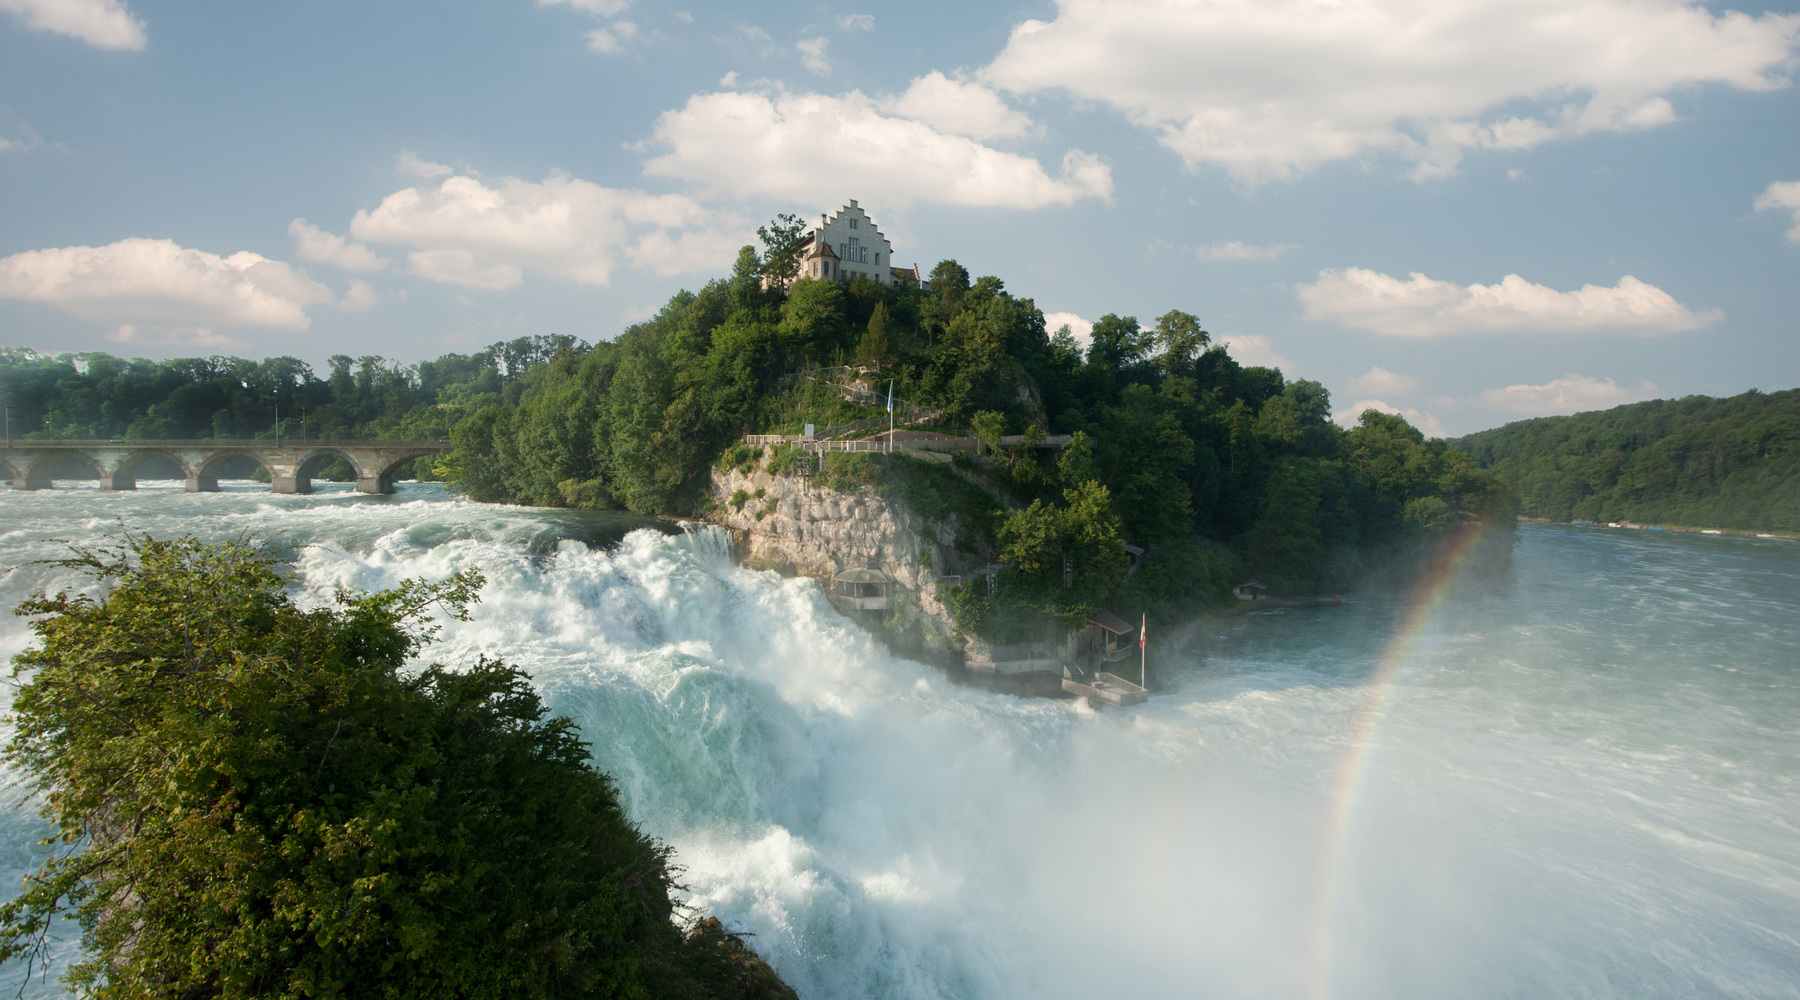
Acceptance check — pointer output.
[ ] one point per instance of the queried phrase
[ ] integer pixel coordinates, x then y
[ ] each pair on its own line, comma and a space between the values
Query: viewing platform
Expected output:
1109, 688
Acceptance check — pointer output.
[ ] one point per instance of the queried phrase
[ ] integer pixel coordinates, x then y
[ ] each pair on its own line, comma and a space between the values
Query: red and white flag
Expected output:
1142, 626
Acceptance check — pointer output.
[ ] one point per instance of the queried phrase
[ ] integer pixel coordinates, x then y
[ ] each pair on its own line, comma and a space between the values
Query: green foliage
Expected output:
785, 460
1083, 533
1181, 339
96, 395
1719, 463
256, 800
988, 428
1283, 546
781, 240
876, 345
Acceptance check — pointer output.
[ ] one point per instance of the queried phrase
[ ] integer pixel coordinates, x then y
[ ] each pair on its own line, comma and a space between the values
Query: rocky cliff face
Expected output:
816, 532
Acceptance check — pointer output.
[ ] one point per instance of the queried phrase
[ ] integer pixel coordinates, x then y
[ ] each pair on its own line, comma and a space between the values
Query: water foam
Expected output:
1563, 803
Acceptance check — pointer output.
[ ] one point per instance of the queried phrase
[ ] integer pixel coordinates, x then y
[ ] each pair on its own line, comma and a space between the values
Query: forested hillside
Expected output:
1217, 468
1697, 461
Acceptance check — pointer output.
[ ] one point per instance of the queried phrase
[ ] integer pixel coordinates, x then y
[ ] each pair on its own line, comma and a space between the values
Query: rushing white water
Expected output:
1588, 783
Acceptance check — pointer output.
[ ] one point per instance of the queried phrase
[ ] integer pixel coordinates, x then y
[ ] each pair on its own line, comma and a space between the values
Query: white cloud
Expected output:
157, 285
1420, 307
1254, 350
317, 245
359, 297
1430, 425
805, 146
604, 8
958, 107
729, 79
1271, 89
105, 24
1569, 394
19, 133
812, 54
409, 163
1236, 250
1782, 196
159, 336
856, 22
464, 232
1082, 330
612, 38
684, 17
1381, 382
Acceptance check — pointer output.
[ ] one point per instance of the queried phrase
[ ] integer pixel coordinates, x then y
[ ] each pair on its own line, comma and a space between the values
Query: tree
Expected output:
256, 800
1118, 343
989, 427
1181, 339
782, 239
1082, 530
875, 344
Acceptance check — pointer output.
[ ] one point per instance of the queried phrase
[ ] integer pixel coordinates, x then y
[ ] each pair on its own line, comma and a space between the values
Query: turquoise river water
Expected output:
1585, 781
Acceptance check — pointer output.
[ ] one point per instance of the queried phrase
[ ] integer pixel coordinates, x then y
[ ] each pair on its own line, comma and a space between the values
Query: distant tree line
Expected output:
1698, 461
97, 395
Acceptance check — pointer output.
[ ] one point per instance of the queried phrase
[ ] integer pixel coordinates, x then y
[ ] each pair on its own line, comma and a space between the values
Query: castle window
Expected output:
852, 223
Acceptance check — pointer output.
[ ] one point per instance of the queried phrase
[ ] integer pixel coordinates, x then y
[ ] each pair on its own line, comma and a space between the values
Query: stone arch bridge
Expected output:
32, 465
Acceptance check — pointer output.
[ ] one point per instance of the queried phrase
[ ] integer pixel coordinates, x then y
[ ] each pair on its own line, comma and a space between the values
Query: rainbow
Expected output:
1425, 600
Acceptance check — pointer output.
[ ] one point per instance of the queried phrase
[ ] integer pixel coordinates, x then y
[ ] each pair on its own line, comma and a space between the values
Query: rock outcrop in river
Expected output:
807, 529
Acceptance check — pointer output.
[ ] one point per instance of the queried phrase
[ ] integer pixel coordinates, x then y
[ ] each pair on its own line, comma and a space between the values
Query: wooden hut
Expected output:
1106, 638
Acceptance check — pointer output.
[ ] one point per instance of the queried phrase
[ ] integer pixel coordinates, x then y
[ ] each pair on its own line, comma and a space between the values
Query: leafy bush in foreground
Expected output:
255, 800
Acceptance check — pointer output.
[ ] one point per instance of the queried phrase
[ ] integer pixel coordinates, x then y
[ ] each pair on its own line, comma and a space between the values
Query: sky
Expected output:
1464, 211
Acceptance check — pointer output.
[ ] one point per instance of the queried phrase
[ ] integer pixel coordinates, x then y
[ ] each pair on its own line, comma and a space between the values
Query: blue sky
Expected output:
1468, 211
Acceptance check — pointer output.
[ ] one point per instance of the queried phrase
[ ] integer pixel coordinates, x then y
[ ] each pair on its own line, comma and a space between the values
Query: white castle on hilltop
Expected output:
848, 245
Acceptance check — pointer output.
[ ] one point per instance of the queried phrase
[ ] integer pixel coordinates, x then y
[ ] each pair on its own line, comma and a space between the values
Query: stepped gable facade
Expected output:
849, 245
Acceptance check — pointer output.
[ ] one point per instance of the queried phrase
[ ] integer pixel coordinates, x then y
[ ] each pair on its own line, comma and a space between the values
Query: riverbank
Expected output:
1680, 529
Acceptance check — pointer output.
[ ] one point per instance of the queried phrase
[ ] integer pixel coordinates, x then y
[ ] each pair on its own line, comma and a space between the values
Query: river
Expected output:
1577, 778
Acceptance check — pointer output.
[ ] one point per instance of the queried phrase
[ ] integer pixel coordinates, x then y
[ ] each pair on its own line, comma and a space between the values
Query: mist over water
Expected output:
1587, 783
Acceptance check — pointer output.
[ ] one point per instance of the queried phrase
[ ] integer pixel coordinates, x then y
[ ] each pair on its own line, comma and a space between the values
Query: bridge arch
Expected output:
52, 463
124, 476
205, 478
12, 473
390, 463
316, 459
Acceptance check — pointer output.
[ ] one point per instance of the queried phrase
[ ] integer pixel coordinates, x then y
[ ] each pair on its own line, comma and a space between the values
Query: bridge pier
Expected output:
374, 484
112, 479
32, 479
